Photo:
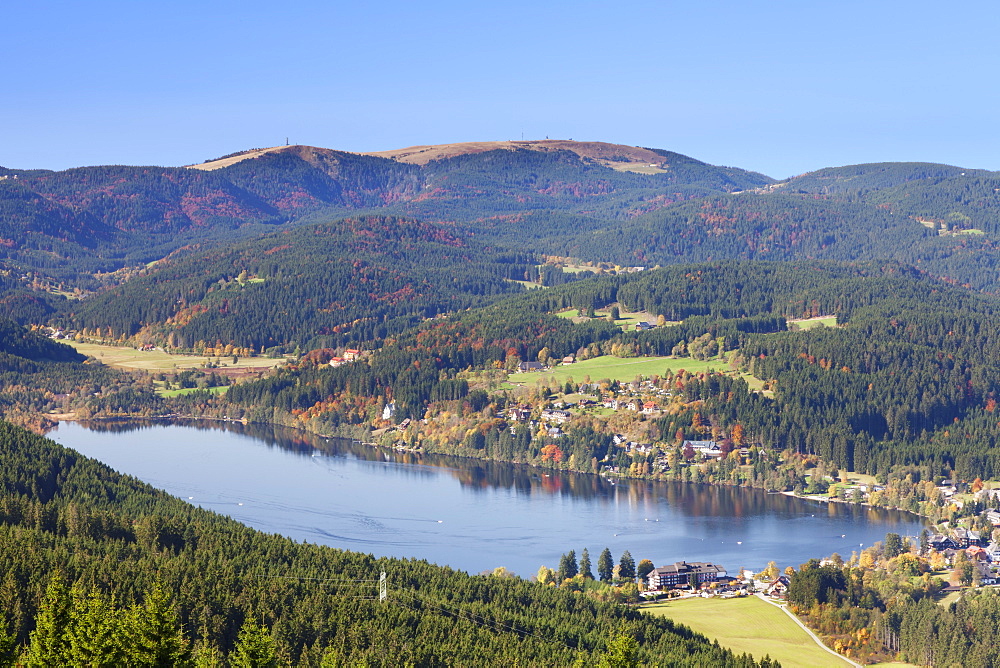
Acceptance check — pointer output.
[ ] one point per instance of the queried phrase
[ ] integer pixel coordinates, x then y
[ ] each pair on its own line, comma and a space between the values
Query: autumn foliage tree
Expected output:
552, 453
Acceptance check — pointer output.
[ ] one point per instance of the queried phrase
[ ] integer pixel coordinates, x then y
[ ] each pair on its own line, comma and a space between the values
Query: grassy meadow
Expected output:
188, 390
618, 368
748, 625
123, 357
812, 323
626, 319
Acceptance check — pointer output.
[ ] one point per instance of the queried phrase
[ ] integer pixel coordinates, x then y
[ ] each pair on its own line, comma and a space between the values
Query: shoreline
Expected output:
864, 504
608, 476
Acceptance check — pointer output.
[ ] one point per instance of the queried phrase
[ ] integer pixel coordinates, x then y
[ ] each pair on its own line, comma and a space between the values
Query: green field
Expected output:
626, 320
530, 285
188, 390
157, 360
812, 323
949, 598
618, 368
748, 625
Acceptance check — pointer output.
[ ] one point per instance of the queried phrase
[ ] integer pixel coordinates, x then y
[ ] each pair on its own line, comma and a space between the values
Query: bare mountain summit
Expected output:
617, 156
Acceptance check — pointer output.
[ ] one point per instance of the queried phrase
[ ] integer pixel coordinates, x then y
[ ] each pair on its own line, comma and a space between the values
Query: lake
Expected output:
468, 514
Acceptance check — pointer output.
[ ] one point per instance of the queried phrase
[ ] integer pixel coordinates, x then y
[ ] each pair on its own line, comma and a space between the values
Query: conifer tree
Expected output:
8, 649
96, 634
626, 566
605, 565
622, 652
49, 642
893, 546
156, 637
585, 567
254, 648
567, 566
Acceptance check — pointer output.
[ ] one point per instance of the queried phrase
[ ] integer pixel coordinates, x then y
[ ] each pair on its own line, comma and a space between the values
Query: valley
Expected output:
830, 335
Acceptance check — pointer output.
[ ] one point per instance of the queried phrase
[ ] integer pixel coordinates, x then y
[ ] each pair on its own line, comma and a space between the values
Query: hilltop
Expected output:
615, 156
89, 228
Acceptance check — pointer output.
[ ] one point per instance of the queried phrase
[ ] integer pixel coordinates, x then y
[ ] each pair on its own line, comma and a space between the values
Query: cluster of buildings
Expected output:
711, 579
350, 355
687, 574
984, 555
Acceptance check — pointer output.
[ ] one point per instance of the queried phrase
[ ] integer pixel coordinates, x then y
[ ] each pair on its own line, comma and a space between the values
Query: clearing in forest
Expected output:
812, 323
626, 319
618, 368
123, 357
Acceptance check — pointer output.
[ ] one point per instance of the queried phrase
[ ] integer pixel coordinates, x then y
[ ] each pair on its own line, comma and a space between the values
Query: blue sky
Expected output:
777, 87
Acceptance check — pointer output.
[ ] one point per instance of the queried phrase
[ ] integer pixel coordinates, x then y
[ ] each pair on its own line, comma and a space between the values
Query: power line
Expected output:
341, 584
477, 619
423, 599
302, 577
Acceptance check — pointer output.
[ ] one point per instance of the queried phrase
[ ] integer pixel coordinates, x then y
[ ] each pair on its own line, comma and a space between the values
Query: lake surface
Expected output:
467, 514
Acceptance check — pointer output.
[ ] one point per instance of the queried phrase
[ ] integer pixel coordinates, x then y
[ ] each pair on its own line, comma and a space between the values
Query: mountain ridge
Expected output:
595, 201
617, 156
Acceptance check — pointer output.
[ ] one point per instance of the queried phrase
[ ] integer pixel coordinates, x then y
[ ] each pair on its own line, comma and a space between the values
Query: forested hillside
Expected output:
423, 266
39, 376
909, 379
203, 585
553, 200
107, 217
354, 280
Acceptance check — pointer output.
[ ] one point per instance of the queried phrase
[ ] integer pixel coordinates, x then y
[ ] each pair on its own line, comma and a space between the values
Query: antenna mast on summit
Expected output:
382, 589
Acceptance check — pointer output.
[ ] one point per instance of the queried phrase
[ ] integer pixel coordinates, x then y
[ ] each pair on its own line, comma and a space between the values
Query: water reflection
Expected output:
467, 513
698, 500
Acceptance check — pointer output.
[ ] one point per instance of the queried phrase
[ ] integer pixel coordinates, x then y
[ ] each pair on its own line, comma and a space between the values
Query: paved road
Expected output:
807, 630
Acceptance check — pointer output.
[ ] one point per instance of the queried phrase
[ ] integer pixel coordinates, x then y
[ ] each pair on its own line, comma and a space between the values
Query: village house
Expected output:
352, 354
778, 588
986, 575
704, 448
556, 416
976, 553
947, 488
527, 367
940, 542
518, 414
641, 448
965, 538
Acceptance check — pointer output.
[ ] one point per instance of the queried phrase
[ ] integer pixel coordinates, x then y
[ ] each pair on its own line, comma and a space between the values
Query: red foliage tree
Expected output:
552, 453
